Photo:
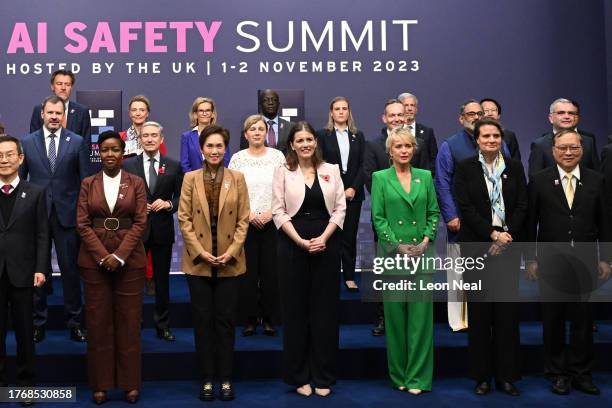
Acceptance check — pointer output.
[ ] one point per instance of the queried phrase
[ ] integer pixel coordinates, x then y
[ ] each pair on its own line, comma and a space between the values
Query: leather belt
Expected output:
112, 224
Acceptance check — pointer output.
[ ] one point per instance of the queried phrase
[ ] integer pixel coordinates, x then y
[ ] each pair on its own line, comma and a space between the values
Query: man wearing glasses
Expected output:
564, 115
456, 148
492, 109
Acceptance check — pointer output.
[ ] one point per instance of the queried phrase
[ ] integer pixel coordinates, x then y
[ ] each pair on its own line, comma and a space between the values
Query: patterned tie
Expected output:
6, 189
52, 153
271, 134
152, 174
569, 190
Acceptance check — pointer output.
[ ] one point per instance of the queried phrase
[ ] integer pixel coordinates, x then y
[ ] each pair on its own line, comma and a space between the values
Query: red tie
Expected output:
6, 189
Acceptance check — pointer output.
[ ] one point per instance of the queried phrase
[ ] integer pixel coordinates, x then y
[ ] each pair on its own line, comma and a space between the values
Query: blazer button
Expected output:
230, 212
414, 240
413, 222
569, 232
400, 240
201, 235
198, 211
400, 222
228, 237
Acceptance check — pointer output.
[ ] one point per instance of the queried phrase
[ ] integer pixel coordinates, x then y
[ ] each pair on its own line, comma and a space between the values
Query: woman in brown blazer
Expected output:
111, 218
214, 217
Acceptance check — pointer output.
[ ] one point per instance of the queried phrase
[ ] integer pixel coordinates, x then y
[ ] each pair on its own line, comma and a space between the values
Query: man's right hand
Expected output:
454, 225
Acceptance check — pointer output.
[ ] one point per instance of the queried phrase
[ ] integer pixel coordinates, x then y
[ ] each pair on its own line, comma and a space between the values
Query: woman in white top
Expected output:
258, 163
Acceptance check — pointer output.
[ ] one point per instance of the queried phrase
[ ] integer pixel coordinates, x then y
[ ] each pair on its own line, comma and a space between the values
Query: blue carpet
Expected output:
452, 393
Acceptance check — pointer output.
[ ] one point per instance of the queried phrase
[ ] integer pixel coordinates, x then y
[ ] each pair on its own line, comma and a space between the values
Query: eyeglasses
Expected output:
570, 113
570, 148
205, 111
473, 114
492, 110
8, 156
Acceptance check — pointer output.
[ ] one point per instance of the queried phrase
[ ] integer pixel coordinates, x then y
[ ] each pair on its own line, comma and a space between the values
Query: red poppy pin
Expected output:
325, 177
162, 169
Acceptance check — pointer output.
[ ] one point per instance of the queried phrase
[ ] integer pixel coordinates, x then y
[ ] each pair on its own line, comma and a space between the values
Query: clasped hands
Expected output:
500, 244
110, 263
603, 268
412, 250
158, 205
313, 245
220, 260
259, 220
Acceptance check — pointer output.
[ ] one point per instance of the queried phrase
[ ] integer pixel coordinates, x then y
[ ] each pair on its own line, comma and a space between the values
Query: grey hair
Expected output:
464, 104
559, 100
157, 125
406, 95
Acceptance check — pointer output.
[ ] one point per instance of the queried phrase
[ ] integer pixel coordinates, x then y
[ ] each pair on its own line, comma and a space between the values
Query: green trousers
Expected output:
409, 333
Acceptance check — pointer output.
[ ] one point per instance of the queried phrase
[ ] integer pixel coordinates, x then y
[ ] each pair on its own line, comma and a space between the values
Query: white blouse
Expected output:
258, 174
111, 189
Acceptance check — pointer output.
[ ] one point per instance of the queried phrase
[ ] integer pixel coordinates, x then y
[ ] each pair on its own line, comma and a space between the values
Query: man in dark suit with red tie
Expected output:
163, 179
24, 255
57, 160
567, 217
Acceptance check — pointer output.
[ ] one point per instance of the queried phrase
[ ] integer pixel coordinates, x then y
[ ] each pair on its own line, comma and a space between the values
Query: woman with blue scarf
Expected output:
491, 194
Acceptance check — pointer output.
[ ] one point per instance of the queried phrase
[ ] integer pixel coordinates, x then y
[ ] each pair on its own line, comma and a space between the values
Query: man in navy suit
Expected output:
163, 178
76, 116
427, 147
57, 160
24, 255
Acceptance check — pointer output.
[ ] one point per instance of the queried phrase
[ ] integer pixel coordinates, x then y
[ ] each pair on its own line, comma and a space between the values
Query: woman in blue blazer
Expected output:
202, 114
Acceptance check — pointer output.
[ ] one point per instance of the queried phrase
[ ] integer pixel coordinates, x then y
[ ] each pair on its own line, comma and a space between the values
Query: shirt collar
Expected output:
109, 178
47, 132
575, 172
15, 182
156, 157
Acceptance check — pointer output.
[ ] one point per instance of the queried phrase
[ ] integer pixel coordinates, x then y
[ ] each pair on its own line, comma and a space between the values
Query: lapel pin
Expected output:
121, 196
68, 138
71, 110
417, 180
422, 131
23, 195
579, 183
226, 185
505, 176
556, 182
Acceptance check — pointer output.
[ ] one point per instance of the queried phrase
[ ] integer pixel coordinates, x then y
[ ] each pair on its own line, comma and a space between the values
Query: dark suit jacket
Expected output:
160, 225
78, 120
606, 169
375, 158
97, 242
472, 197
354, 176
427, 148
541, 153
551, 219
62, 186
24, 238
512, 143
281, 139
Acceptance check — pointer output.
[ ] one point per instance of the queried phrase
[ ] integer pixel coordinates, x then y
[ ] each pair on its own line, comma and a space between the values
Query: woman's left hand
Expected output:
110, 263
223, 259
317, 244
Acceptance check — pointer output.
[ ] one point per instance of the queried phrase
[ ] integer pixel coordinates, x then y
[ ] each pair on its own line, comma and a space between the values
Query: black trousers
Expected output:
20, 301
349, 239
213, 305
576, 358
494, 342
309, 303
161, 257
66, 242
260, 283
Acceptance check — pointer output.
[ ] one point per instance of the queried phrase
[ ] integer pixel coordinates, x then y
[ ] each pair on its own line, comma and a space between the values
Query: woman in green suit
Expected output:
405, 214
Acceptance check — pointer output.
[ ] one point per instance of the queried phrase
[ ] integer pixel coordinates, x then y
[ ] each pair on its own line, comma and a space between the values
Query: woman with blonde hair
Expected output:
203, 113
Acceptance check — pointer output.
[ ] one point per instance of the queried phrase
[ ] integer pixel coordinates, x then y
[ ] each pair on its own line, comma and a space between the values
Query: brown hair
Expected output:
292, 159
140, 98
350, 122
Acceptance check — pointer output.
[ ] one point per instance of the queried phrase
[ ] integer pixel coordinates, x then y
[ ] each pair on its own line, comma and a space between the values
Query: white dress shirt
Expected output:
146, 163
46, 133
343, 143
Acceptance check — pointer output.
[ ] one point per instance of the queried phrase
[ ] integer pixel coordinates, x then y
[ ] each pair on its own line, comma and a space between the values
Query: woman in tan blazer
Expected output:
308, 206
214, 217
111, 218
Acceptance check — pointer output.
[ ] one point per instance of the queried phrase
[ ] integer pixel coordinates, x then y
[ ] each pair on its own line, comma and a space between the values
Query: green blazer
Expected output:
400, 217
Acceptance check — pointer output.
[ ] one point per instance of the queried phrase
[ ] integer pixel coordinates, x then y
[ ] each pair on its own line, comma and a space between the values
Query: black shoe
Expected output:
78, 334
560, 385
268, 329
39, 334
379, 329
165, 334
207, 392
586, 386
482, 388
507, 387
227, 393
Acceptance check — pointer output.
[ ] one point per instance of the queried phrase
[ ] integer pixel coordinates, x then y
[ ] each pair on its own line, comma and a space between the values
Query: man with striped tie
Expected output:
57, 160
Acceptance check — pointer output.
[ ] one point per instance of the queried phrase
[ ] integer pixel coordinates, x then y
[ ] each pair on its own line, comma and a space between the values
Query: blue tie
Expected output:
52, 152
